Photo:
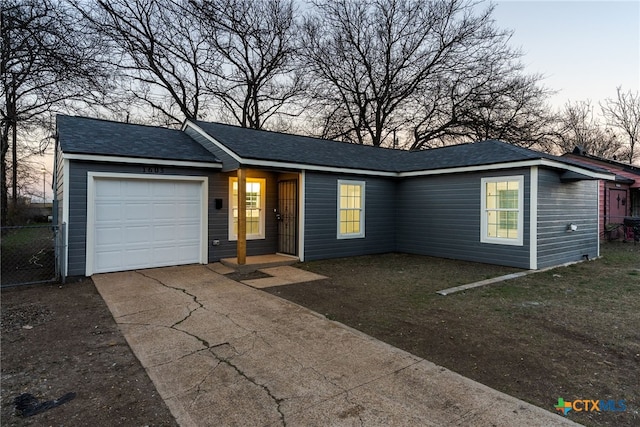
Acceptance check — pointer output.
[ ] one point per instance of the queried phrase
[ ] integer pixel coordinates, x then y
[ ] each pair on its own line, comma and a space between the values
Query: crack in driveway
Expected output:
252, 380
211, 348
204, 342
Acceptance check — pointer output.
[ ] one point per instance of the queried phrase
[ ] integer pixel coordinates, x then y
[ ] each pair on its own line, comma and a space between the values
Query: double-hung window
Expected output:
350, 209
255, 197
502, 207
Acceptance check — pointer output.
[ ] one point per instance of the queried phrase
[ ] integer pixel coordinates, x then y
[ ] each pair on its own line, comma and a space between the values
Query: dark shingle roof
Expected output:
275, 146
265, 145
81, 135
478, 154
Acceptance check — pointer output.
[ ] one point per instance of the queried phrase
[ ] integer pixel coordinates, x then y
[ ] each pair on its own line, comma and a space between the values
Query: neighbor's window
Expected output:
502, 210
255, 208
350, 209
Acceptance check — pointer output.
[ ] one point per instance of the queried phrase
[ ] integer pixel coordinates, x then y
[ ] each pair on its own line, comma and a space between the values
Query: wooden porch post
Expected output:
242, 217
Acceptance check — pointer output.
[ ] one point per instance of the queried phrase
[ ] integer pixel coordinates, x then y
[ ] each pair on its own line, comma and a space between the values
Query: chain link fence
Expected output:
29, 254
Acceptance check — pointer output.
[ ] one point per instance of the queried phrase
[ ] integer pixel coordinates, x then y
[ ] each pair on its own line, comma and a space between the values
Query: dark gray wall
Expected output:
560, 204
440, 216
77, 226
321, 204
229, 163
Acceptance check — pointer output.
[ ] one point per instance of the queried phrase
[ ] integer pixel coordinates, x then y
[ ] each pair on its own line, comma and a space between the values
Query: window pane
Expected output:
502, 209
350, 205
254, 214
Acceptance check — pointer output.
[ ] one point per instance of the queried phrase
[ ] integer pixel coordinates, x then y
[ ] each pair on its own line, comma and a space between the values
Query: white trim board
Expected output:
301, 211
142, 161
533, 218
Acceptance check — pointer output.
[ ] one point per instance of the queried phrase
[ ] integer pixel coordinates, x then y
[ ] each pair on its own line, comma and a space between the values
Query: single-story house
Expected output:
620, 197
131, 196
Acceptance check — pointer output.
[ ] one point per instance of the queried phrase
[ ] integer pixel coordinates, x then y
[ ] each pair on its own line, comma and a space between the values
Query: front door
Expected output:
618, 206
288, 217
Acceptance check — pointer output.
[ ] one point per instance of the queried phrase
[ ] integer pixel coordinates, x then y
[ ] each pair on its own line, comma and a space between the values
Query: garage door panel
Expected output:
165, 234
135, 189
108, 212
138, 211
109, 260
166, 211
105, 236
182, 253
137, 234
188, 230
113, 191
143, 223
165, 189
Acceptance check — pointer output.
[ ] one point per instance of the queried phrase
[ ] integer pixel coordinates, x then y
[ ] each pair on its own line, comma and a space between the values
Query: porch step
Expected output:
258, 262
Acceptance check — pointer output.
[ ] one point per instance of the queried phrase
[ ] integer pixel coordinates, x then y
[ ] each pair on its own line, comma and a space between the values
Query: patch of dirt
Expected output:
571, 332
240, 276
59, 339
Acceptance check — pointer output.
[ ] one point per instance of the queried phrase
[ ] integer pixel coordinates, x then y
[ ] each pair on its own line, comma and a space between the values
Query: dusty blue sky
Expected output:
585, 49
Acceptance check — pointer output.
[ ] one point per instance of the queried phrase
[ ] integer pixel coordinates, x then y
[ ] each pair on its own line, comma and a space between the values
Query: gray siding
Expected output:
228, 162
219, 219
560, 204
440, 216
321, 192
77, 227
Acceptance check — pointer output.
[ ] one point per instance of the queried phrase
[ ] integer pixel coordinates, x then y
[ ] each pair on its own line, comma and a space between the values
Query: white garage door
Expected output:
143, 223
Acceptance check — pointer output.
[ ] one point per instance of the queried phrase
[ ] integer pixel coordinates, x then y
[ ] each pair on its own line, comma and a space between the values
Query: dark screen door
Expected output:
288, 217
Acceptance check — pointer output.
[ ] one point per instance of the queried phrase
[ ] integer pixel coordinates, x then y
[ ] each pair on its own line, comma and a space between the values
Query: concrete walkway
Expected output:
223, 353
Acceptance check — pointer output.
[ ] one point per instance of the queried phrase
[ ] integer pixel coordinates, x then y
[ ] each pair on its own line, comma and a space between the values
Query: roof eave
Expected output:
140, 160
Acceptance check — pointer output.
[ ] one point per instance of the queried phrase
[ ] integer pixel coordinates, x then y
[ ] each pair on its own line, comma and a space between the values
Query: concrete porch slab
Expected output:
254, 263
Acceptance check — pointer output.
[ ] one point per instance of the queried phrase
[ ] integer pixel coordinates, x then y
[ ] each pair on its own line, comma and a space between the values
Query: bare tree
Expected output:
160, 54
623, 113
258, 78
431, 72
513, 109
47, 63
579, 127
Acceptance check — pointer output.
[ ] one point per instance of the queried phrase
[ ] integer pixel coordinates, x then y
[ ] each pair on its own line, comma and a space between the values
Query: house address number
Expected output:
152, 169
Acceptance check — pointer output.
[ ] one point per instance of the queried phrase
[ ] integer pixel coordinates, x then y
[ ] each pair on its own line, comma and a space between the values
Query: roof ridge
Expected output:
116, 122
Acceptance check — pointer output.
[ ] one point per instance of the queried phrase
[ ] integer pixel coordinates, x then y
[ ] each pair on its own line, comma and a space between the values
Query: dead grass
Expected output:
571, 332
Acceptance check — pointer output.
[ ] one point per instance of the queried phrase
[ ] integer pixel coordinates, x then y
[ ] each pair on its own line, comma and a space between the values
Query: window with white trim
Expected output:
255, 208
502, 210
350, 209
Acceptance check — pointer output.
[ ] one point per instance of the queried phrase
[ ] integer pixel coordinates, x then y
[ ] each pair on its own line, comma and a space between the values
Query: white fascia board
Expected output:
577, 169
143, 161
211, 139
302, 166
509, 165
479, 168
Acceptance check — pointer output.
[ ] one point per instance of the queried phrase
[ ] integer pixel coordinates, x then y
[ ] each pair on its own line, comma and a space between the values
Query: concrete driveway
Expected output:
223, 353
